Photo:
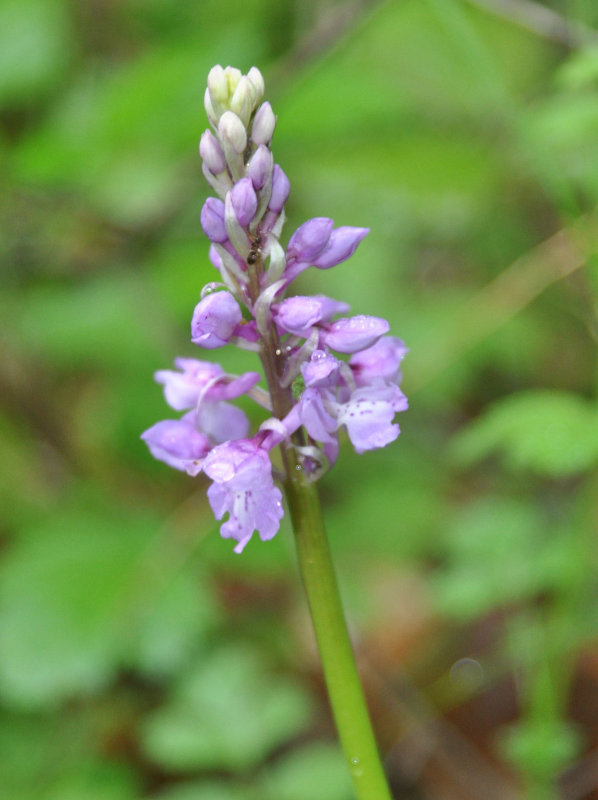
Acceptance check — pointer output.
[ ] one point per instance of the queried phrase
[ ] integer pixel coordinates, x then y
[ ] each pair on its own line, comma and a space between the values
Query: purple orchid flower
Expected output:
243, 487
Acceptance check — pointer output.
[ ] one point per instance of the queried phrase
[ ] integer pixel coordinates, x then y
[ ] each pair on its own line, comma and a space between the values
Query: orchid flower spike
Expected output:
326, 373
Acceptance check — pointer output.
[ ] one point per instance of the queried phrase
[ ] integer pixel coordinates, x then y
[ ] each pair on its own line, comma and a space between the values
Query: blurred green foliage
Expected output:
139, 657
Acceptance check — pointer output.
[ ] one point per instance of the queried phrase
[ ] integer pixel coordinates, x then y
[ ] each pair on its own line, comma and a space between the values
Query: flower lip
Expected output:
243, 486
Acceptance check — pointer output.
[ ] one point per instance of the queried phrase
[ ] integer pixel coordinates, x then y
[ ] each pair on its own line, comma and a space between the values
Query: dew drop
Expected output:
467, 673
298, 467
278, 351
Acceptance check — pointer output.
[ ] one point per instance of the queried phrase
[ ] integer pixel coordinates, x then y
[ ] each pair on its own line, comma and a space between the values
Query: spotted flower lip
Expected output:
368, 416
243, 487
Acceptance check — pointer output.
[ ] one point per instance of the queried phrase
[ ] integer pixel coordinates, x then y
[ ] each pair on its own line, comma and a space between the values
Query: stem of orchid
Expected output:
336, 653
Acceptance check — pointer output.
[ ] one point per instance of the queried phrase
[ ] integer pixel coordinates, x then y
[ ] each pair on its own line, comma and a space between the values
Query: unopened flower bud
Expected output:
281, 188
232, 131
214, 320
233, 76
310, 239
260, 167
212, 220
214, 113
299, 314
351, 334
244, 201
218, 85
243, 100
211, 153
256, 78
264, 123
342, 244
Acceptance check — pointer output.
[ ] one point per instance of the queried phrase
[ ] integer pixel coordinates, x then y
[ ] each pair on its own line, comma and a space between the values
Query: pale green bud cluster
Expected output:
240, 124
230, 90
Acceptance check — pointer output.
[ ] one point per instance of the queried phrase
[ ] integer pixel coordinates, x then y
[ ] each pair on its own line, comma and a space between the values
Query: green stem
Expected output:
338, 662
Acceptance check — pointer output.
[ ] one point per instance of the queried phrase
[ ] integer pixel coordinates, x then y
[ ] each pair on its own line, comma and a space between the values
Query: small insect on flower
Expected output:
255, 251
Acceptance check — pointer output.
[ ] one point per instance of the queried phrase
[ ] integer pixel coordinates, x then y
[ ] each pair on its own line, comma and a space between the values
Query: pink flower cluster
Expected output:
298, 338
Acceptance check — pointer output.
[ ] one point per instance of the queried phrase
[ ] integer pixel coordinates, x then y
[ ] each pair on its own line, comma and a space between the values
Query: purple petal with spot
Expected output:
382, 361
368, 416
